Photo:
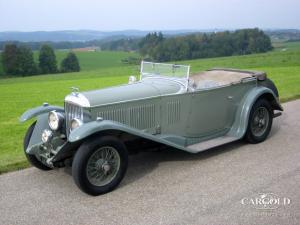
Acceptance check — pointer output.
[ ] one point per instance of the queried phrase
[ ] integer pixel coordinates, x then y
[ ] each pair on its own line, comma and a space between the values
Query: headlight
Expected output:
75, 123
46, 136
55, 120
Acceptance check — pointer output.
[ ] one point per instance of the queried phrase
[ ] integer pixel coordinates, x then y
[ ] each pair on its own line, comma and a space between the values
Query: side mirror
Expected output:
131, 79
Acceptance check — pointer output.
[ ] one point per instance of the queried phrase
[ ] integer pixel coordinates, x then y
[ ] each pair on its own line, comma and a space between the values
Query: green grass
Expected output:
102, 69
286, 46
91, 60
95, 60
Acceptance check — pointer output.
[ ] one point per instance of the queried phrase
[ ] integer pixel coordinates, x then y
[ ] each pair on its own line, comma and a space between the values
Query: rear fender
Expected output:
240, 124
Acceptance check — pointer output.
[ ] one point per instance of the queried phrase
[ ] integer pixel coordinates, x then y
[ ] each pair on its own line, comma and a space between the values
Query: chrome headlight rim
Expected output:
75, 123
47, 136
55, 120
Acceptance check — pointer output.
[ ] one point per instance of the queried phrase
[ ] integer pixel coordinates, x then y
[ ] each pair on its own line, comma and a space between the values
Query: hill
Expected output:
79, 35
88, 35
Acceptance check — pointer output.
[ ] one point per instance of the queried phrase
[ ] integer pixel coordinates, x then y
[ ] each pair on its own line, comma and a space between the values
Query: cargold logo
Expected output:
266, 201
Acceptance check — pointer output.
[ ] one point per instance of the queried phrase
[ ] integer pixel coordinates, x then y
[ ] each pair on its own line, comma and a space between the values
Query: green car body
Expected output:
160, 109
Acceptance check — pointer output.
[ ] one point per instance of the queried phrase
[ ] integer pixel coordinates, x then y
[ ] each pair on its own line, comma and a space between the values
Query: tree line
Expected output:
19, 60
247, 41
34, 45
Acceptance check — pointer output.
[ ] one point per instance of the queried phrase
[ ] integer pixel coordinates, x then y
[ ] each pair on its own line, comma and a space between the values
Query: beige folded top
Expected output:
223, 77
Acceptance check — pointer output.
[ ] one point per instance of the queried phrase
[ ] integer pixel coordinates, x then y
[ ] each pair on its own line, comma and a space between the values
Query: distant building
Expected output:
87, 49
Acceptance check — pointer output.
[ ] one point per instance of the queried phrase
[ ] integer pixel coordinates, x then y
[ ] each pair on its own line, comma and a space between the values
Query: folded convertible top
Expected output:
260, 75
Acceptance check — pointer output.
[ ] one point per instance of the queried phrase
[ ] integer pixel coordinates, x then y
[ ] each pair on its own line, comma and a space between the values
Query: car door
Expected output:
210, 111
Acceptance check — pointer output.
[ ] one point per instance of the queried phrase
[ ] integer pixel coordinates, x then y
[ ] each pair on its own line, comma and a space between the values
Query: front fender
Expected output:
240, 124
31, 113
91, 128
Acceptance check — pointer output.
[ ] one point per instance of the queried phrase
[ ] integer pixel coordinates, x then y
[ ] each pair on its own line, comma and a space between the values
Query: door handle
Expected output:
230, 97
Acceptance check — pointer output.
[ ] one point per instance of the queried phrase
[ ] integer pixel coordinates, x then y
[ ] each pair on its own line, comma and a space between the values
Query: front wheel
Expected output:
99, 165
260, 122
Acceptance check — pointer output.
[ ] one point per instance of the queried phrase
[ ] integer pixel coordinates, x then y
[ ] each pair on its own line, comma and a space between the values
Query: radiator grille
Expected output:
72, 111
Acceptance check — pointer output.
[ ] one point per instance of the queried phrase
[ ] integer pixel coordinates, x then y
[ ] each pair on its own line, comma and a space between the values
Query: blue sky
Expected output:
32, 15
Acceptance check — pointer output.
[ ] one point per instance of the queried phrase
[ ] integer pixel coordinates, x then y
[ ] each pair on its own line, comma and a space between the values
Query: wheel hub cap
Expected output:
106, 167
261, 122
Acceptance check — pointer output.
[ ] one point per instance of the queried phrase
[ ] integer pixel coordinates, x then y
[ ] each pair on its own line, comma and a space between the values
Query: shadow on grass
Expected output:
14, 166
288, 99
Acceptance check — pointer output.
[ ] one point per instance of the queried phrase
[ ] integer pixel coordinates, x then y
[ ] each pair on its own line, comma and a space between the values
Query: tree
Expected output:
239, 42
26, 65
47, 60
10, 59
70, 63
150, 42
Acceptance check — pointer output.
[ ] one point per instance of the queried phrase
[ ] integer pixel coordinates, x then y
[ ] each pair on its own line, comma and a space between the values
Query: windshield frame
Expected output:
181, 78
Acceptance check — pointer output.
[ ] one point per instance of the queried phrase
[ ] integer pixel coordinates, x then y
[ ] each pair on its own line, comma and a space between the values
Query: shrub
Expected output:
70, 63
47, 60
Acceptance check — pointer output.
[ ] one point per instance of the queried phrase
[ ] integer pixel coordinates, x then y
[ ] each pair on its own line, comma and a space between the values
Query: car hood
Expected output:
144, 89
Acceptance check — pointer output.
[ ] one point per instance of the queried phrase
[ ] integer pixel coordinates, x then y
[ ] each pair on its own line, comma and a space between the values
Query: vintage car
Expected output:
96, 130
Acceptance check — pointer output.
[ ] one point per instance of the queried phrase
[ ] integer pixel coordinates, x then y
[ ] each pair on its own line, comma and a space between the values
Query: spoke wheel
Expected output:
103, 166
100, 164
260, 122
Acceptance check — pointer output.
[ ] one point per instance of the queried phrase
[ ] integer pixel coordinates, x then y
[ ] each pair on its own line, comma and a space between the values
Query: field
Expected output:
287, 46
102, 69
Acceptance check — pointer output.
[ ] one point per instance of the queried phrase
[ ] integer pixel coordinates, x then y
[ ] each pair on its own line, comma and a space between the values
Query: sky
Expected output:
110, 15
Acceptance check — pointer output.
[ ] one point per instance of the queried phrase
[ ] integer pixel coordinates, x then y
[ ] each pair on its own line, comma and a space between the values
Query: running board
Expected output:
199, 147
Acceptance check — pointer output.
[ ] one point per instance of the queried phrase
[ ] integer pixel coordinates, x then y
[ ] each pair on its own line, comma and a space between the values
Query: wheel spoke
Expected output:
110, 154
260, 121
103, 165
262, 113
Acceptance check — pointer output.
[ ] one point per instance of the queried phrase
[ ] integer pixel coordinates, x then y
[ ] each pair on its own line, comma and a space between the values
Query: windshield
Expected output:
150, 69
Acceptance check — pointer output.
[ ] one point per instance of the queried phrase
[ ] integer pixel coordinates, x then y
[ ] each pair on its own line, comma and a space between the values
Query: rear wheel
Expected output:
260, 122
99, 165
31, 158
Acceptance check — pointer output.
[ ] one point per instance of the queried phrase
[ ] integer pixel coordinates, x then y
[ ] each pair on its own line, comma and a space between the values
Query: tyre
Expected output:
99, 165
260, 122
31, 158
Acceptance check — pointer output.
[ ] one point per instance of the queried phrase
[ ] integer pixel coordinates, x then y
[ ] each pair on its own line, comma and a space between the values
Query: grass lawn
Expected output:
102, 69
91, 60
286, 46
